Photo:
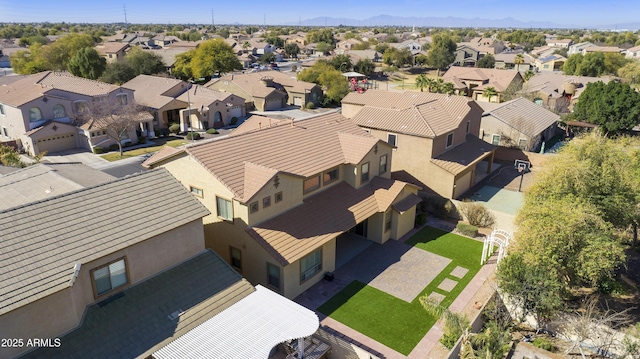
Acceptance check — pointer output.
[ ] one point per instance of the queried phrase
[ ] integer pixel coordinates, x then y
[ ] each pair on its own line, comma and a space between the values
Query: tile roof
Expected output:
257, 122
23, 91
42, 181
414, 113
67, 82
297, 232
500, 79
407, 203
552, 83
201, 96
110, 47
137, 323
524, 115
464, 155
303, 149
251, 81
150, 90
42, 241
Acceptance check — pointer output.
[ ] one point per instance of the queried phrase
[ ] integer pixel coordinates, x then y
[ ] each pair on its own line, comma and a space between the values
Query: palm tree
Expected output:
490, 92
422, 81
437, 85
527, 75
448, 88
518, 60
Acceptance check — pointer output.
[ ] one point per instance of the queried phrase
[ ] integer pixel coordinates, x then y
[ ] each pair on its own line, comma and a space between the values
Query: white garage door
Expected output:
61, 142
297, 101
235, 112
273, 105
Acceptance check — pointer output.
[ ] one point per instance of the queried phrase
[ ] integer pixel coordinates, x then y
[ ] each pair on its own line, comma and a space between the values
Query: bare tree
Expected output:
116, 116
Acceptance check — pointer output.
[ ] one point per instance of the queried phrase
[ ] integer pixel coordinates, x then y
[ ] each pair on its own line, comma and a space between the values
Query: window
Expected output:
4, 131
110, 277
273, 276
383, 164
225, 211
522, 143
330, 176
538, 101
59, 111
35, 114
122, 99
254, 207
277, 197
364, 172
495, 140
392, 139
236, 258
311, 184
1, 109
449, 140
80, 107
468, 126
388, 216
266, 202
311, 265
196, 191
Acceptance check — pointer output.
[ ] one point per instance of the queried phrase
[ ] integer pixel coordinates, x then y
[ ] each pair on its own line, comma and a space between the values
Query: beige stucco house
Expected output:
41, 111
112, 51
518, 123
558, 92
159, 95
269, 90
207, 108
474, 82
285, 194
435, 137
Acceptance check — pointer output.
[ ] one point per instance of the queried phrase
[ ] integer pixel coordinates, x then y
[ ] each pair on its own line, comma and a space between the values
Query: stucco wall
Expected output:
292, 285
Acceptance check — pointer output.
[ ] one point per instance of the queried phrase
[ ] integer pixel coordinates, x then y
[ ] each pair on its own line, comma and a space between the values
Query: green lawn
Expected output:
115, 156
392, 321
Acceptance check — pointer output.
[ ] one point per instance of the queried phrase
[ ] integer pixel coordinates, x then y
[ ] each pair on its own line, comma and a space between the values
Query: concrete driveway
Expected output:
119, 168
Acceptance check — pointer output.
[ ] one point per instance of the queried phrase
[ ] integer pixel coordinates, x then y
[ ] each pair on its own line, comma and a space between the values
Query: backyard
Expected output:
397, 323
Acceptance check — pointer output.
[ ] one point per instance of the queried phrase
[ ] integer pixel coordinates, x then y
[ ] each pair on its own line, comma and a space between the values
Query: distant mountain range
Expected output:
509, 22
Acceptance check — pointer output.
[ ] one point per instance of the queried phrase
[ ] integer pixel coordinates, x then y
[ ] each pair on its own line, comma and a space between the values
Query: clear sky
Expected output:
579, 13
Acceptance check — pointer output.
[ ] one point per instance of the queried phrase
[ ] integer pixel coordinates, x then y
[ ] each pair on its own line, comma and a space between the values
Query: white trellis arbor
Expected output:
498, 238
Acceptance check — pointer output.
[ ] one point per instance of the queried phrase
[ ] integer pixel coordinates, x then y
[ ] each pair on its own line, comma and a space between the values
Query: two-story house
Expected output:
112, 51
209, 108
282, 194
119, 270
475, 81
41, 111
435, 137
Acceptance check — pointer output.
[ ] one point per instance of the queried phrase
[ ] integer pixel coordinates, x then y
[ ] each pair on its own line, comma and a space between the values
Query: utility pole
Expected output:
213, 24
124, 7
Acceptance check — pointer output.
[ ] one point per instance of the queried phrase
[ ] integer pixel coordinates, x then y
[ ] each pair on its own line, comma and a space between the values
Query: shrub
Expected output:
193, 136
467, 229
98, 150
212, 131
142, 140
543, 343
477, 215
310, 105
443, 209
113, 147
233, 121
175, 128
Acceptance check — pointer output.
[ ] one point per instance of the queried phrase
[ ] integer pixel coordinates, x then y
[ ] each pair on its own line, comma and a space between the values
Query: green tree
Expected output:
593, 64
630, 73
56, 55
613, 62
9, 156
118, 73
182, 66
397, 57
442, 52
87, 63
335, 85
381, 48
268, 58
613, 106
490, 92
518, 60
28, 62
528, 75
211, 57
535, 289
486, 62
324, 35
322, 47
143, 62
422, 81
341, 63
292, 50
571, 65
365, 67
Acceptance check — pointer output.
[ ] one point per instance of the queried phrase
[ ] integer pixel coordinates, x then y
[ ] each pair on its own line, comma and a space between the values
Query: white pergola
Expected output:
498, 238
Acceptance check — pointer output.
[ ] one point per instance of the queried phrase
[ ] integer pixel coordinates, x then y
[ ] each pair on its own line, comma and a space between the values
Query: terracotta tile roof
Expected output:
297, 232
464, 155
201, 96
308, 147
524, 115
110, 47
414, 113
164, 153
23, 91
150, 90
251, 81
257, 122
552, 83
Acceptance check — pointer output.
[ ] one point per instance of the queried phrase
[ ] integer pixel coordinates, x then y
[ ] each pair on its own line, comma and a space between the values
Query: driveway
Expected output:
119, 168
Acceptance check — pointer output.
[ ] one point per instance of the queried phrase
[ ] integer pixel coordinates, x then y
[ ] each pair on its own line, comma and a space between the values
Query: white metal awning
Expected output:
248, 329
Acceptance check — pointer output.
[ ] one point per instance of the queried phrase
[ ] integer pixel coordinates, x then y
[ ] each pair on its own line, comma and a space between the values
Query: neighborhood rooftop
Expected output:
513, 114
53, 235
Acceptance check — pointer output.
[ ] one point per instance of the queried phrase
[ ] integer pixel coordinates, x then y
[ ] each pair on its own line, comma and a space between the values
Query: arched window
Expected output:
217, 117
35, 114
59, 111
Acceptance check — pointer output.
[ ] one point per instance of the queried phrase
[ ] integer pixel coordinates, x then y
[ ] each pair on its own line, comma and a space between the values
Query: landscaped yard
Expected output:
114, 156
392, 321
